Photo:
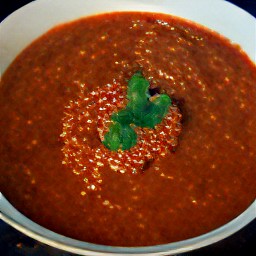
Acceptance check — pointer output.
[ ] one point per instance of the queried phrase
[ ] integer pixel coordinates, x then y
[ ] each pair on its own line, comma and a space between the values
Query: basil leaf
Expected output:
139, 111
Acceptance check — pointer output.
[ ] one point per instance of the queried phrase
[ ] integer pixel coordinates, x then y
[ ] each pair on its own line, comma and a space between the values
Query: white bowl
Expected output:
32, 20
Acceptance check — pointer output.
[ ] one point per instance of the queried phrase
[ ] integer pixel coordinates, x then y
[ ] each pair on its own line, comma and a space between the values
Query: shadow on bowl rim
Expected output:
10, 215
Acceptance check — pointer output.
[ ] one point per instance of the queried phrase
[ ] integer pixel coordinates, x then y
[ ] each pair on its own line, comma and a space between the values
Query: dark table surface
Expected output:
14, 243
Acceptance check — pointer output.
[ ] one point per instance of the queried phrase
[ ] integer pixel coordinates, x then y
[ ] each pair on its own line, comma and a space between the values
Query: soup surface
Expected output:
209, 178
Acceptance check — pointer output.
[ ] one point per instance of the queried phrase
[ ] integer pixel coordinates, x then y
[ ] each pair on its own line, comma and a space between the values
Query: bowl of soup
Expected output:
128, 127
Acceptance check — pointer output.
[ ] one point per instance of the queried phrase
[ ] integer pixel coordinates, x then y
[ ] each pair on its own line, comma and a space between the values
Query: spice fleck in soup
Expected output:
86, 156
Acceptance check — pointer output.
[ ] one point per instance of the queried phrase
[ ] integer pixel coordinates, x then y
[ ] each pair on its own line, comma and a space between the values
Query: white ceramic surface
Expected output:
29, 22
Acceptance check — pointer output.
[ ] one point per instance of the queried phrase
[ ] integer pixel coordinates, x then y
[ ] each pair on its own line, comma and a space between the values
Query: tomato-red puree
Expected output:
194, 172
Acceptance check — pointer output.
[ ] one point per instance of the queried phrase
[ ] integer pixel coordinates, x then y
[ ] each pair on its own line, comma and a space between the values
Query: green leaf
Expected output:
112, 139
154, 112
120, 137
160, 108
139, 111
123, 116
128, 138
137, 92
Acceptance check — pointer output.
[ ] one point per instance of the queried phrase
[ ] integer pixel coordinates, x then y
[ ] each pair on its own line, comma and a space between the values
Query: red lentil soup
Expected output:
204, 181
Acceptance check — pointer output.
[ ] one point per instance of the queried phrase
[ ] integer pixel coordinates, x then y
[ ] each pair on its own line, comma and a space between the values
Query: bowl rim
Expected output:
233, 22
13, 217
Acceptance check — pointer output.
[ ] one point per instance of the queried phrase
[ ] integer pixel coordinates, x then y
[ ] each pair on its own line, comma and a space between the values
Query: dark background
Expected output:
14, 243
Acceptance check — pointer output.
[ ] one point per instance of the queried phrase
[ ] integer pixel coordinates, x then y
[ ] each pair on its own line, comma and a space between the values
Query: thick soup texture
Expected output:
205, 182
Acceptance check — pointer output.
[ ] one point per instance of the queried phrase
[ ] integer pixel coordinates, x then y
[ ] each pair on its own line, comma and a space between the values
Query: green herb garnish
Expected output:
141, 111
120, 137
